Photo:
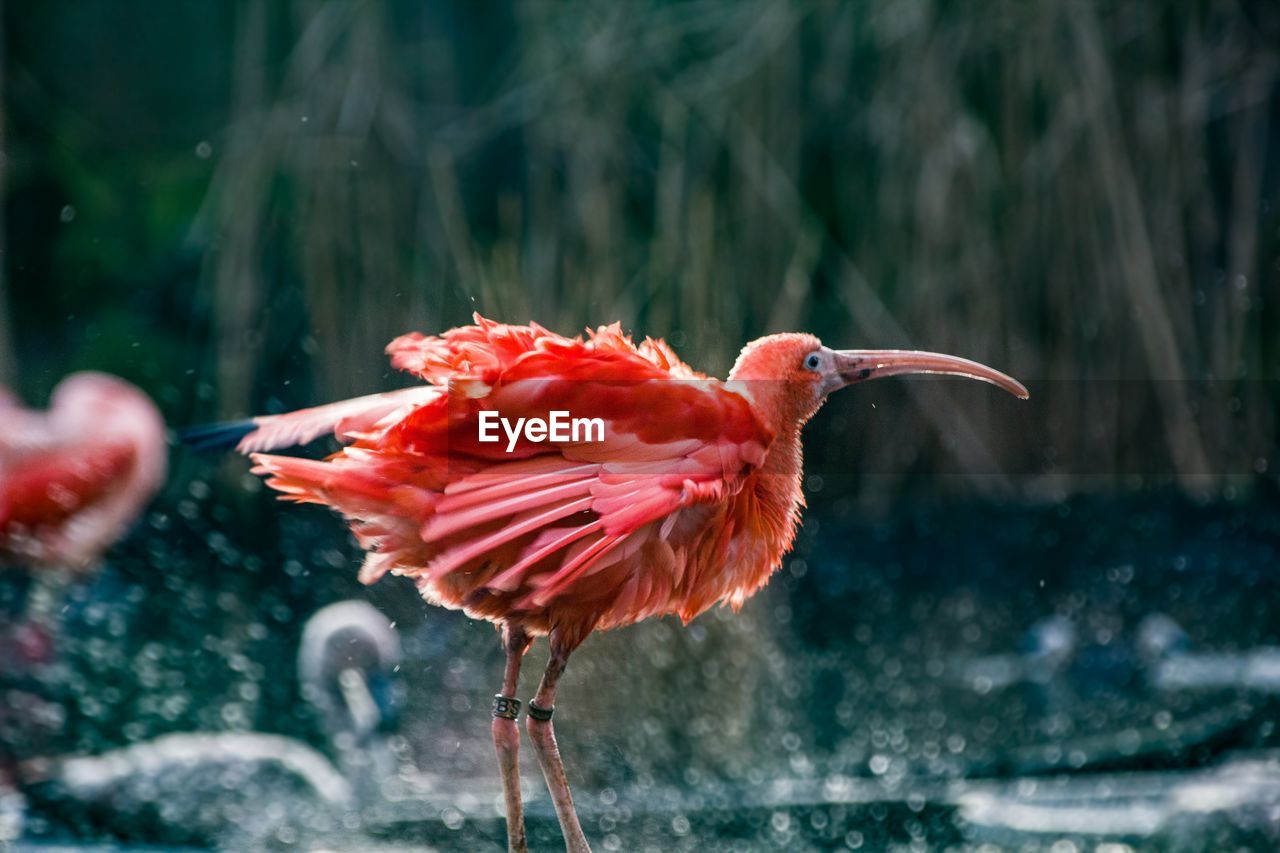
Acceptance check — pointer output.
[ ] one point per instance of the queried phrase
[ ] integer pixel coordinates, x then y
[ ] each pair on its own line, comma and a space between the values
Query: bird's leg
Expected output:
506, 736
543, 735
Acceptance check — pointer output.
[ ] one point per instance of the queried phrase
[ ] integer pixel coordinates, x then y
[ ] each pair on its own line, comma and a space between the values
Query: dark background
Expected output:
237, 204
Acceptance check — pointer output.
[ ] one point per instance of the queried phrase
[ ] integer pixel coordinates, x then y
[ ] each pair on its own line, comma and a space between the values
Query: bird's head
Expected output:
98, 403
791, 374
348, 664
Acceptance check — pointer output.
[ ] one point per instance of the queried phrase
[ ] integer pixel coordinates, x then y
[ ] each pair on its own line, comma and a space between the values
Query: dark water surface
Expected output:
945, 677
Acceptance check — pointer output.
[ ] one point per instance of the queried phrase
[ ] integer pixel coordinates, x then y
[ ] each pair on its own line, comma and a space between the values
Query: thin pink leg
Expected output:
543, 734
506, 737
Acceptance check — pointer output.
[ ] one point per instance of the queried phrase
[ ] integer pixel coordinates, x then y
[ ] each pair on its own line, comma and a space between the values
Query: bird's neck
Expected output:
777, 489
785, 458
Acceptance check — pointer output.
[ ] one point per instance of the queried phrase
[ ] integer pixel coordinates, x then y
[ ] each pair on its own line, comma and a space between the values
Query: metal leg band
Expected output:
506, 707
539, 713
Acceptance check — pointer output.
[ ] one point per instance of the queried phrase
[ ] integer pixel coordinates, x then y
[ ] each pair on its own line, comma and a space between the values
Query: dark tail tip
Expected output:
207, 438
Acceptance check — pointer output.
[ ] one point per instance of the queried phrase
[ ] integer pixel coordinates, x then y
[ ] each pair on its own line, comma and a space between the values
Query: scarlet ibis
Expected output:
689, 498
74, 478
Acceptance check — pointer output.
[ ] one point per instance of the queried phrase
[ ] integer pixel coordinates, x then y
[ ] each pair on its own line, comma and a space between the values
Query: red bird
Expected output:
74, 478
72, 481
689, 495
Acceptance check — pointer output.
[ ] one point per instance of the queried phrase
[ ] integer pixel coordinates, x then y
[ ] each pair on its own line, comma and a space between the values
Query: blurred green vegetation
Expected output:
237, 204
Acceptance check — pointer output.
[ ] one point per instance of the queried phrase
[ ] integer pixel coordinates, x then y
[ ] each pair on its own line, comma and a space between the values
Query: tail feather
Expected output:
346, 420
297, 479
208, 438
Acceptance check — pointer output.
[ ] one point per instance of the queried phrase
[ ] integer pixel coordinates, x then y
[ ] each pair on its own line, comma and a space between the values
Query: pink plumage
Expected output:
575, 536
73, 478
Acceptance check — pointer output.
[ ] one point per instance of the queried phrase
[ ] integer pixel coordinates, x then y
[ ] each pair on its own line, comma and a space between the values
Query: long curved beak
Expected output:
858, 365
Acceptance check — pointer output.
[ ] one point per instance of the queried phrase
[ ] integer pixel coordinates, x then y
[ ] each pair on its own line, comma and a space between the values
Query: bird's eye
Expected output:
812, 361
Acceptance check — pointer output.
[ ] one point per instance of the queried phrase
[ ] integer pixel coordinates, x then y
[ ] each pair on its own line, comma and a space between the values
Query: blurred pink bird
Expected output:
75, 477
72, 481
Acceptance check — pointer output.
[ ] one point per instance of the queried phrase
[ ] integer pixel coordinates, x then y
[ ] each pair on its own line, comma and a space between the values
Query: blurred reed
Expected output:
1071, 191
8, 366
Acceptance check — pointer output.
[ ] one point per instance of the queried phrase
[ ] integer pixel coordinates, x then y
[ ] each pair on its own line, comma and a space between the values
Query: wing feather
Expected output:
349, 420
445, 523
495, 532
528, 522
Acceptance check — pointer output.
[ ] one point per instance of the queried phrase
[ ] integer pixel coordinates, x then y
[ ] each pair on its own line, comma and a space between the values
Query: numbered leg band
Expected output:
506, 707
539, 713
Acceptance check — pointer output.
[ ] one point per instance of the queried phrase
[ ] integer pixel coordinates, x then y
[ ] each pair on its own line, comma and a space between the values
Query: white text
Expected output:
558, 427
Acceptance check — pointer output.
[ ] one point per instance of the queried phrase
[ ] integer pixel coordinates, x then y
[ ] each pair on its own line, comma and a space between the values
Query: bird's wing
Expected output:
667, 444
43, 495
47, 486
348, 420
467, 358
486, 351
471, 519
